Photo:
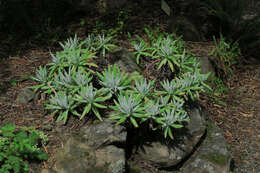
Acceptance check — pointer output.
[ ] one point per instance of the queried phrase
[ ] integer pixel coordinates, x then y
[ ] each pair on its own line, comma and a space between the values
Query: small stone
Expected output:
125, 61
47, 170
25, 96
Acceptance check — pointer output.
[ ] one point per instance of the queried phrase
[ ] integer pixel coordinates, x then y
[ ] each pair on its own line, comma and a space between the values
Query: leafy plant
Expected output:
190, 84
144, 87
103, 44
62, 105
17, 147
152, 34
121, 19
129, 108
219, 86
41, 76
93, 100
167, 49
72, 56
227, 55
170, 52
172, 119
113, 80
72, 93
141, 49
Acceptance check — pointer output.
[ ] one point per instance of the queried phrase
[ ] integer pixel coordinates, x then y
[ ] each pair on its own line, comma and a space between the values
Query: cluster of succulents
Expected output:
68, 81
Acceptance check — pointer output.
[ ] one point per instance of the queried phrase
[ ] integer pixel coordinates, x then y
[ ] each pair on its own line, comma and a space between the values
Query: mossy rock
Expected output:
216, 158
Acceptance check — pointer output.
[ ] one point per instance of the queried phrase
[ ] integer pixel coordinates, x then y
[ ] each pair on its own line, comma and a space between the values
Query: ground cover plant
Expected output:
18, 146
226, 55
68, 81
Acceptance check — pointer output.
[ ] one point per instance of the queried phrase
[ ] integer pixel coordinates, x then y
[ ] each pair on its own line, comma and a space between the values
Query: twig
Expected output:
149, 66
52, 88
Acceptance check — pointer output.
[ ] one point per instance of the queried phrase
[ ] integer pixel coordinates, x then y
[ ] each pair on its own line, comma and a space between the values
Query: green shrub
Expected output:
136, 102
113, 80
226, 55
167, 49
17, 147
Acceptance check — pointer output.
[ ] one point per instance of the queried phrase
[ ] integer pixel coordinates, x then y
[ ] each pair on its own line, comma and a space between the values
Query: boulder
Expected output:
103, 133
98, 148
163, 154
212, 156
206, 66
124, 60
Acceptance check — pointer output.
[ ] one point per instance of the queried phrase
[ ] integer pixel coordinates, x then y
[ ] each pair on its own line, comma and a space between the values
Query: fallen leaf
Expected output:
247, 131
227, 133
247, 115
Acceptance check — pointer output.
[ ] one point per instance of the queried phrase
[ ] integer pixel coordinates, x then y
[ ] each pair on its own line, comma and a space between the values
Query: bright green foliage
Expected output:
71, 81
189, 84
172, 119
170, 52
90, 42
227, 55
153, 110
92, 99
167, 115
62, 105
167, 48
153, 34
103, 44
68, 82
41, 76
16, 147
73, 55
129, 109
113, 80
144, 87
141, 49
82, 78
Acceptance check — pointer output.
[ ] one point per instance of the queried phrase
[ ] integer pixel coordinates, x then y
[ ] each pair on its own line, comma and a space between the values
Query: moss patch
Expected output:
216, 158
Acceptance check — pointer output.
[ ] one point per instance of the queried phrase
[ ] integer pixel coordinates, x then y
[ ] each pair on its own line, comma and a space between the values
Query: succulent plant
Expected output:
92, 99
113, 80
62, 105
128, 108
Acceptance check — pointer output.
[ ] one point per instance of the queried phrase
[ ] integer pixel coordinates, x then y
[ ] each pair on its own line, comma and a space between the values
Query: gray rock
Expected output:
125, 60
212, 156
77, 156
25, 96
103, 133
166, 154
206, 66
93, 150
183, 26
